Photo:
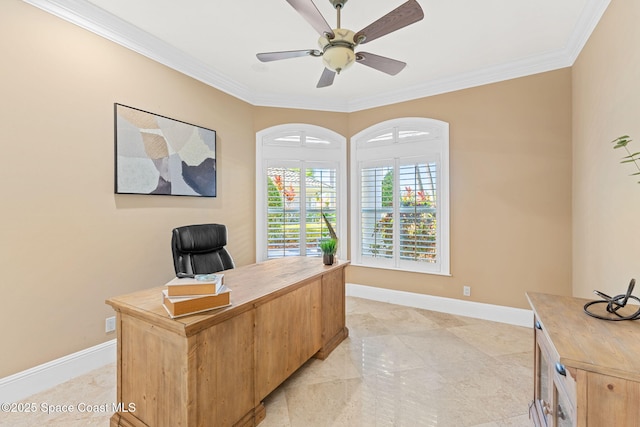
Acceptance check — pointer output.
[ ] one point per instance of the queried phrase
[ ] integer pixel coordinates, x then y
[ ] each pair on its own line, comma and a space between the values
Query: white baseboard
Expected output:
26, 383
478, 310
34, 380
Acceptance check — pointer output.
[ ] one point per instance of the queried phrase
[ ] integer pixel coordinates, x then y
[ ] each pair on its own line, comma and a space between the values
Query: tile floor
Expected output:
400, 366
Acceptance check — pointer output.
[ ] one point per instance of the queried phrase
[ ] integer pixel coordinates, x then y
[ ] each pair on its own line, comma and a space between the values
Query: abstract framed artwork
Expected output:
159, 155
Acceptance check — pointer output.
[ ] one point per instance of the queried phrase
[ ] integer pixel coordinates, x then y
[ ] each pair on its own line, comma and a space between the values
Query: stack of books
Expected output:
203, 292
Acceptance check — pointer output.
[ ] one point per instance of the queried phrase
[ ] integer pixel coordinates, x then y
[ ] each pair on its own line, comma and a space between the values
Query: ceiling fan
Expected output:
337, 45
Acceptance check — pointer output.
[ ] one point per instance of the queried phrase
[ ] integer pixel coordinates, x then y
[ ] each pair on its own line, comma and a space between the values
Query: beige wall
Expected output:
510, 172
510, 166
68, 243
606, 200
266, 117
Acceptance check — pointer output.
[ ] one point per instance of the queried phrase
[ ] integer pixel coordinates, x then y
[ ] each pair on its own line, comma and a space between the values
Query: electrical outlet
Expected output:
110, 324
466, 291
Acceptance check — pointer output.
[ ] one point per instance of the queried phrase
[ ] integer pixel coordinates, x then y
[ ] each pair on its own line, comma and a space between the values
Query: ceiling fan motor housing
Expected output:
337, 53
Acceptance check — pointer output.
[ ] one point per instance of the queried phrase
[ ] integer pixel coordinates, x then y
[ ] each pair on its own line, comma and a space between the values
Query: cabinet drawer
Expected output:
563, 376
555, 395
564, 409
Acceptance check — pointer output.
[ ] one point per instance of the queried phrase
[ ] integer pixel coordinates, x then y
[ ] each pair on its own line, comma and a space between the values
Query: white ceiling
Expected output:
458, 44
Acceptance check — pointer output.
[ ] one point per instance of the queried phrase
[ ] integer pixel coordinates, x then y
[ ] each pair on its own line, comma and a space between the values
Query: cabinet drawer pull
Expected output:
561, 413
538, 325
561, 370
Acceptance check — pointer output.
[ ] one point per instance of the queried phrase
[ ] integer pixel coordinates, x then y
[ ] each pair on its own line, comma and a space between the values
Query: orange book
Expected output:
181, 306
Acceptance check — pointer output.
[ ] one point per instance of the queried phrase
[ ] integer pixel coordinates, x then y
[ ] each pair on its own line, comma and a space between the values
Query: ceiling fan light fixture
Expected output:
338, 58
337, 53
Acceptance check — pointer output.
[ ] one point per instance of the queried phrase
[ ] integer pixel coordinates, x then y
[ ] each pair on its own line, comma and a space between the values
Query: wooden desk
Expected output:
216, 368
586, 370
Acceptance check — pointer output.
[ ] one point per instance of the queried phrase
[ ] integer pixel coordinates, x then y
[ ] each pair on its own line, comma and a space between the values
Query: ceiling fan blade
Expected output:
406, 14
276, 56
326, 79
380, 63
310, 12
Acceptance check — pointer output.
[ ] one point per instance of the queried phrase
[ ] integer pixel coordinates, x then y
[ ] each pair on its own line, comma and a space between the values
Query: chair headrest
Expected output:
200, 238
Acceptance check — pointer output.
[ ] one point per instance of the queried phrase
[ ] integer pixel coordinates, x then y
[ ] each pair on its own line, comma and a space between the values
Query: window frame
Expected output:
304, 154
391, 143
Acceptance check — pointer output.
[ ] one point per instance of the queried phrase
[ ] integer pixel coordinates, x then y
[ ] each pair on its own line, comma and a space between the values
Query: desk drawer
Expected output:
555, 385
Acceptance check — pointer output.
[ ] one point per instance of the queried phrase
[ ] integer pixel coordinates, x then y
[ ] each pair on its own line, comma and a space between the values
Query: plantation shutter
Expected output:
283, 212
400, 196
297, 199
321, 197
417, 212
398, 216
376, 214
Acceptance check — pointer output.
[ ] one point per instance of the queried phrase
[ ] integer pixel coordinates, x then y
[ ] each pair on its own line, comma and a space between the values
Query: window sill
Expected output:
404, 270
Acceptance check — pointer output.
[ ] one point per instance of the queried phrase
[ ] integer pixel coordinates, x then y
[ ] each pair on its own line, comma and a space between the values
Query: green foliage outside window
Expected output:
283, 225
418, 227
387, 190
274, 198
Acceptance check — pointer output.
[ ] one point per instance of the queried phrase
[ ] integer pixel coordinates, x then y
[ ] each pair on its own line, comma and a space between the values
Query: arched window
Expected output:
400, 196
301, 180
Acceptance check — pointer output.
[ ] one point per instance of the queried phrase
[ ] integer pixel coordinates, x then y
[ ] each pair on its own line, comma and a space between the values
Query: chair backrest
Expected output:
200, 249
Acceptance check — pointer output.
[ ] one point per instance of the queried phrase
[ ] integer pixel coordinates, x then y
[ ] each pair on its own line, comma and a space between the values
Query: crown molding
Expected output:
494, 74
299, 103
566, 57
104, 24
591, 15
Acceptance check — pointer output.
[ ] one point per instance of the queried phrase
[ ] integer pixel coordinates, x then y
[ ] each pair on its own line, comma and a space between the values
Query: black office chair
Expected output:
200, 249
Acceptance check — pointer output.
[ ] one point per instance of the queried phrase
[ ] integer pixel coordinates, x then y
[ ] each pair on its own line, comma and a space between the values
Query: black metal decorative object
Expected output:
614, 304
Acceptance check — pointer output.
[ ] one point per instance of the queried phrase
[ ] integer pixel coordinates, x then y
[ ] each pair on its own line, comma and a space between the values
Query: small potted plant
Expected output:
328, 248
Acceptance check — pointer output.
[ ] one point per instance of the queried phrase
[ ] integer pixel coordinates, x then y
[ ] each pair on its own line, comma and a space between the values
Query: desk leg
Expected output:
260, 413
334, 329
331, 345
118, 420
253, 418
